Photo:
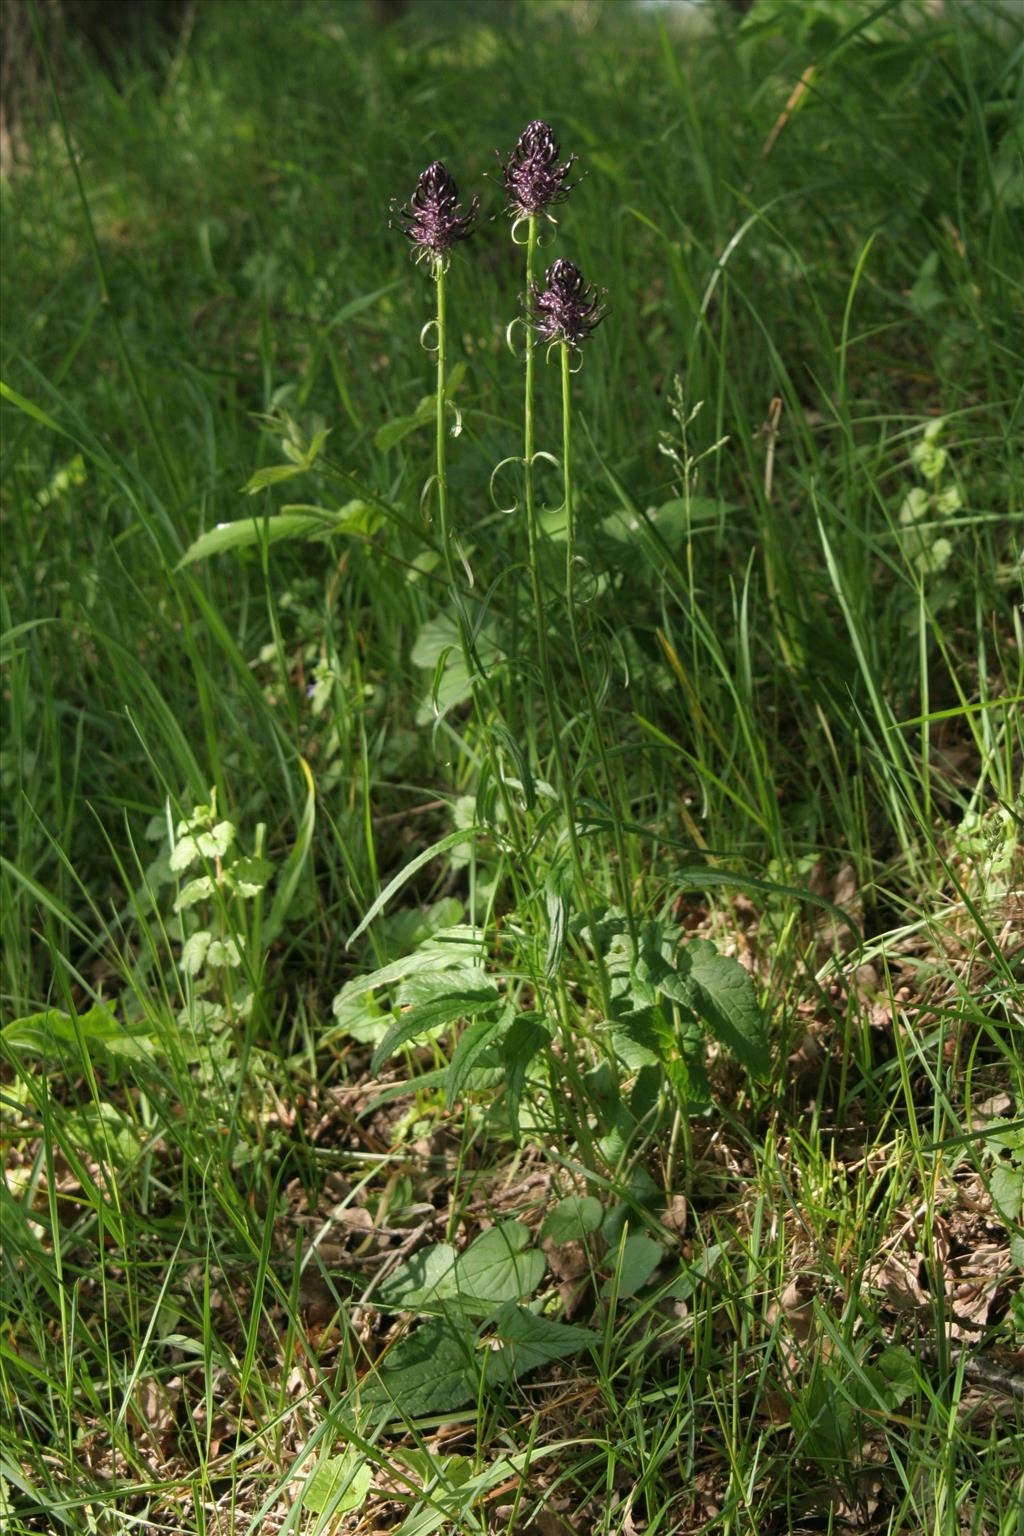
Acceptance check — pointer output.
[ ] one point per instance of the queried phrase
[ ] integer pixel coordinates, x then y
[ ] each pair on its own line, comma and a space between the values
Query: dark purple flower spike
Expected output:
434, 220
568, 309
533, 177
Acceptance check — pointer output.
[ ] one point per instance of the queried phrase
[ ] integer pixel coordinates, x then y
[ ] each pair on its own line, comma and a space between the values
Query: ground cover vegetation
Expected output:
511, 916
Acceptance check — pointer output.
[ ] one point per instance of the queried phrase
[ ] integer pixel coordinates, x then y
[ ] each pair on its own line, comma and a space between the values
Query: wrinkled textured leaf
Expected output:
446, 1009
722, 994
193, 954
525, 1038
438, 955
557, 887
199, 889
249, 875
528, 1341
433, 1370
473, 1043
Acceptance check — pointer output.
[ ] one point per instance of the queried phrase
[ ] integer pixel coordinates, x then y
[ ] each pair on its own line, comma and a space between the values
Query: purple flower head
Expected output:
434, 220
568, 308
533, 178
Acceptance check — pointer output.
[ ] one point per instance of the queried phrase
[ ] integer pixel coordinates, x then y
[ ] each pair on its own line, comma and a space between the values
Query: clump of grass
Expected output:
781, 666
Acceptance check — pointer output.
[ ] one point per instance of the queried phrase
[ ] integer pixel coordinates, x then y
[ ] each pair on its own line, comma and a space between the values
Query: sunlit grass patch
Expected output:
367, 1161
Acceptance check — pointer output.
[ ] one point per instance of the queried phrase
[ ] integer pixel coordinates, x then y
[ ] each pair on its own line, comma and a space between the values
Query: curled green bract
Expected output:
518, 320
513, 458
428, 486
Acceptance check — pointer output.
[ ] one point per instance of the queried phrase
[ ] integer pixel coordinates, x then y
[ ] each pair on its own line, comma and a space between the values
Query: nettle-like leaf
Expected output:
458, 947
557, 890
193, 953
184, 853
704, 983
526, 1038
199, 889
214, 842
475, 1043
223, 954
247, 876
432, 1370
721, 994
462, 998
444, 963
195, 841
528, 1341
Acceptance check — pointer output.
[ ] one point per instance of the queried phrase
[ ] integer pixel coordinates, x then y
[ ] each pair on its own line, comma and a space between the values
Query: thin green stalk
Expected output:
442, 431
625, 894
547, 679
531, 253
477, 675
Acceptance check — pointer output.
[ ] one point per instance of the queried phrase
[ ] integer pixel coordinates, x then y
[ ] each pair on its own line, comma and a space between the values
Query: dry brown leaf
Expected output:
899, 1280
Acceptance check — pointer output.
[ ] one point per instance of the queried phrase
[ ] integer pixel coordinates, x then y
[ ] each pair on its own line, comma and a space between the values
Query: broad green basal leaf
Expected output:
498, 1267
458, 1003
641, 1256
426, 1277
573, 1219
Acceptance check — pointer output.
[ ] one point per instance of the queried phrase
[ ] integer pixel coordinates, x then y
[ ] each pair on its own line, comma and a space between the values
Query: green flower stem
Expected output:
531, 253
442, 430
477, 675
625, 894
529, 723
547, 679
